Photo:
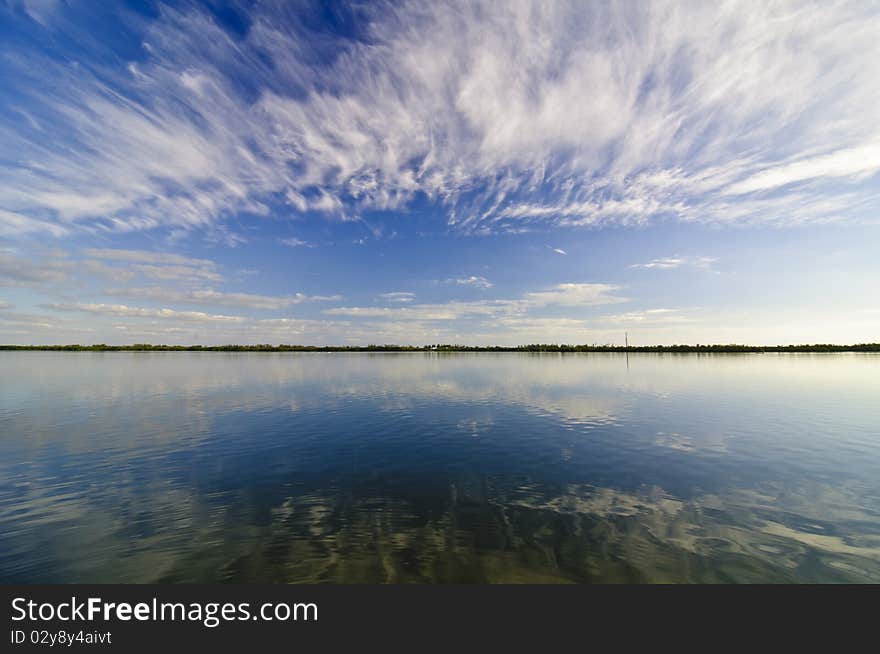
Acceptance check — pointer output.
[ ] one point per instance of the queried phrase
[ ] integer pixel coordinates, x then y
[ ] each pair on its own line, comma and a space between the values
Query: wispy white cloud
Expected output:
503, 114
647, 316
147, 257
575, 295
419, 312
301, 297
557, 250
17, 270
122, 310
474, 281
16, 224
98, 268
297, 243
177, 273
163, 266
57, 267
854, 163
41, 11
397, 296
210, 297
24, 324
578, 295
671, 263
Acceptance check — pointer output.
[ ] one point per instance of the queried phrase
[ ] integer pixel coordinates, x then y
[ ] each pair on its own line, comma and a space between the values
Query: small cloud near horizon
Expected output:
673, 262
474, 281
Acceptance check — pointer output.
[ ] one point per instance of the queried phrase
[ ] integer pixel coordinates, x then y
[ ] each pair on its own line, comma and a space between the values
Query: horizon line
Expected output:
393, 347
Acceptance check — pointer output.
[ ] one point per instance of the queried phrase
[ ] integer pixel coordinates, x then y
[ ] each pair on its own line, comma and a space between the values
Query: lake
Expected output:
430, 467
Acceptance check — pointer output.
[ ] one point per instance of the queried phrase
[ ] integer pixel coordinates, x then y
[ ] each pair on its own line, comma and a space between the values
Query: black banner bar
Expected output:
151, 618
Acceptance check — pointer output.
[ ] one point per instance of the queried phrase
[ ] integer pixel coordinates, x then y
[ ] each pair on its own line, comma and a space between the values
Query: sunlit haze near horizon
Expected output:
444, 172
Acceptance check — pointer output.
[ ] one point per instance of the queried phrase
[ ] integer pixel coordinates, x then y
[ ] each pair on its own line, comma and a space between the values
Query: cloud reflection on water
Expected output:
392, 468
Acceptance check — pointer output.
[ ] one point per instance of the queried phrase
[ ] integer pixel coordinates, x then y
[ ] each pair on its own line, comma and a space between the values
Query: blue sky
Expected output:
462, 172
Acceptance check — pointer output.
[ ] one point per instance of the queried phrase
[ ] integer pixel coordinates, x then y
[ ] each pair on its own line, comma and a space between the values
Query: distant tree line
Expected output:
442, 347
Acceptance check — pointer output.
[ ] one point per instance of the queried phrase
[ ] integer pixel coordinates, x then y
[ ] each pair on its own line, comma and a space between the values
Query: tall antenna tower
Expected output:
626, 339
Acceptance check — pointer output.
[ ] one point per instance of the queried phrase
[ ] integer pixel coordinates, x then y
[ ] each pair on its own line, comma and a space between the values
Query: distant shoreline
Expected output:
707, 349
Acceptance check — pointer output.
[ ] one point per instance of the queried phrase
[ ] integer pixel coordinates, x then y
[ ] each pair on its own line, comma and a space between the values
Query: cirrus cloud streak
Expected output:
501, 114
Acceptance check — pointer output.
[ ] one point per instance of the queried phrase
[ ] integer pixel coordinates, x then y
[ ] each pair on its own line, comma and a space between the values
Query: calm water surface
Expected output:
177, 467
